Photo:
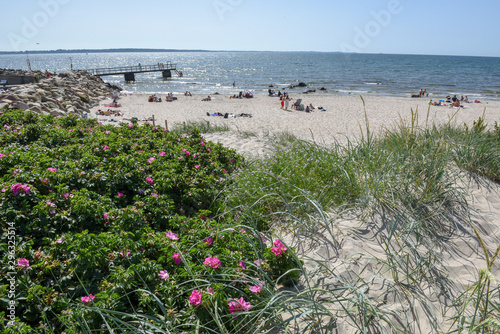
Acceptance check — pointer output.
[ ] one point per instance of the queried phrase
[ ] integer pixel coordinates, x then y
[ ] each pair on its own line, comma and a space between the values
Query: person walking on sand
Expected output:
287, 103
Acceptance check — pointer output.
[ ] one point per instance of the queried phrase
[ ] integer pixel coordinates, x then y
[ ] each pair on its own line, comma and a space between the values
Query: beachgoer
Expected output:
454, 98
234, 83
287, 103
466, 100
282, 98
311, 106
307, 109
47, 74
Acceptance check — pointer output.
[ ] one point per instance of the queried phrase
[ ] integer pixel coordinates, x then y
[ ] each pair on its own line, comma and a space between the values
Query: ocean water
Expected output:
338, 73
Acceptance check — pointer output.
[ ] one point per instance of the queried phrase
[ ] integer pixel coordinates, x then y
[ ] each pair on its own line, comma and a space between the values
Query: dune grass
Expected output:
202, 126
406, 177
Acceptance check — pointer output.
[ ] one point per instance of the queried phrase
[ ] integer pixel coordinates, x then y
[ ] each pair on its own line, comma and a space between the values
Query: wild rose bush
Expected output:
120, 219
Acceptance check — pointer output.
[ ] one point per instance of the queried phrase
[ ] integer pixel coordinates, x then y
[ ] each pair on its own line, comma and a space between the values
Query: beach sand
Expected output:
344, 116
344, 119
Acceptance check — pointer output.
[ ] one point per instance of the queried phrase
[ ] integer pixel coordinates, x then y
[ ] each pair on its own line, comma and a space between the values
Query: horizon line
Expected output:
139, 50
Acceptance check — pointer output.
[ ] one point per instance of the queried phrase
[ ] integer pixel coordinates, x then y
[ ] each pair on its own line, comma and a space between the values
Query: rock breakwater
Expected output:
71, 92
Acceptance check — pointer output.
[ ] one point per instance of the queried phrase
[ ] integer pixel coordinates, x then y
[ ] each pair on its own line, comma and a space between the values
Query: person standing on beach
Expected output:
282, 98
287, 102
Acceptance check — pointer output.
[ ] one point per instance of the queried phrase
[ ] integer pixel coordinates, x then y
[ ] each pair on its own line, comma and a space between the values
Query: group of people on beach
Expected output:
454, 101
109, 112
157, 98
285, 103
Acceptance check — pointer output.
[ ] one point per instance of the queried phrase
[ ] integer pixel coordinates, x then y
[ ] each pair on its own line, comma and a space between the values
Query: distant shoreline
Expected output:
124, 50
98, 51
140, 50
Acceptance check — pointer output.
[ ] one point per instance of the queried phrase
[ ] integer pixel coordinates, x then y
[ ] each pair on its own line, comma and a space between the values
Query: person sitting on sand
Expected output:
448, 99
456, 103
207, 98
311, 107
466, 100
169, 98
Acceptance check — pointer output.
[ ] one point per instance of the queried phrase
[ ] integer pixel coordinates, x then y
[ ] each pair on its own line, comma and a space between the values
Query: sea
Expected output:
337, 73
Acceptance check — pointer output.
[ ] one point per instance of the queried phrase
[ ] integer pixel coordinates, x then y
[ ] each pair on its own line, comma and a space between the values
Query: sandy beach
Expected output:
342, 118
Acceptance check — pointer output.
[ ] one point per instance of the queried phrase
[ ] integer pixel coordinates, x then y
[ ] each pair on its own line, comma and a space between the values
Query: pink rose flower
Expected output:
256, 288
150, 160
238, 305
212, 262
18, 187
177, 258
278, 248
258, 263
149, 180
196, 166
208, 241
195, 297
164, 275
242, 265
162, 154
171, 235
105, 147
120, 194
130, 126
87, 299
23, 263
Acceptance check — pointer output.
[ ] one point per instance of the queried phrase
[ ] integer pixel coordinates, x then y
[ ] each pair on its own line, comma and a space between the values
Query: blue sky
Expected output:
444, 27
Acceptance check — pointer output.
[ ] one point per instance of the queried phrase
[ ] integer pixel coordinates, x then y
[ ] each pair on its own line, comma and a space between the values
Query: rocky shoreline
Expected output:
70, 92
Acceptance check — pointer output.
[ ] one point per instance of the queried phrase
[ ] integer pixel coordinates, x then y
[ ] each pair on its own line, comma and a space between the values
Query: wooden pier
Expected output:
130, 71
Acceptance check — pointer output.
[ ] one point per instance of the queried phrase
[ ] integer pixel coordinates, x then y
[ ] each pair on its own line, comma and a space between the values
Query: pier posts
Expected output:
167, 74
129, 76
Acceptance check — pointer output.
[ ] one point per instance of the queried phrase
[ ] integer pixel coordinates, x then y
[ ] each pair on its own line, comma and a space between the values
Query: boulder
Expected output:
19, 105
84, 97
302, 84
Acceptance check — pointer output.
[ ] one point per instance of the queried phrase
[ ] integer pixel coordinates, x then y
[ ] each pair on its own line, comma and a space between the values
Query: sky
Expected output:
438, 27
